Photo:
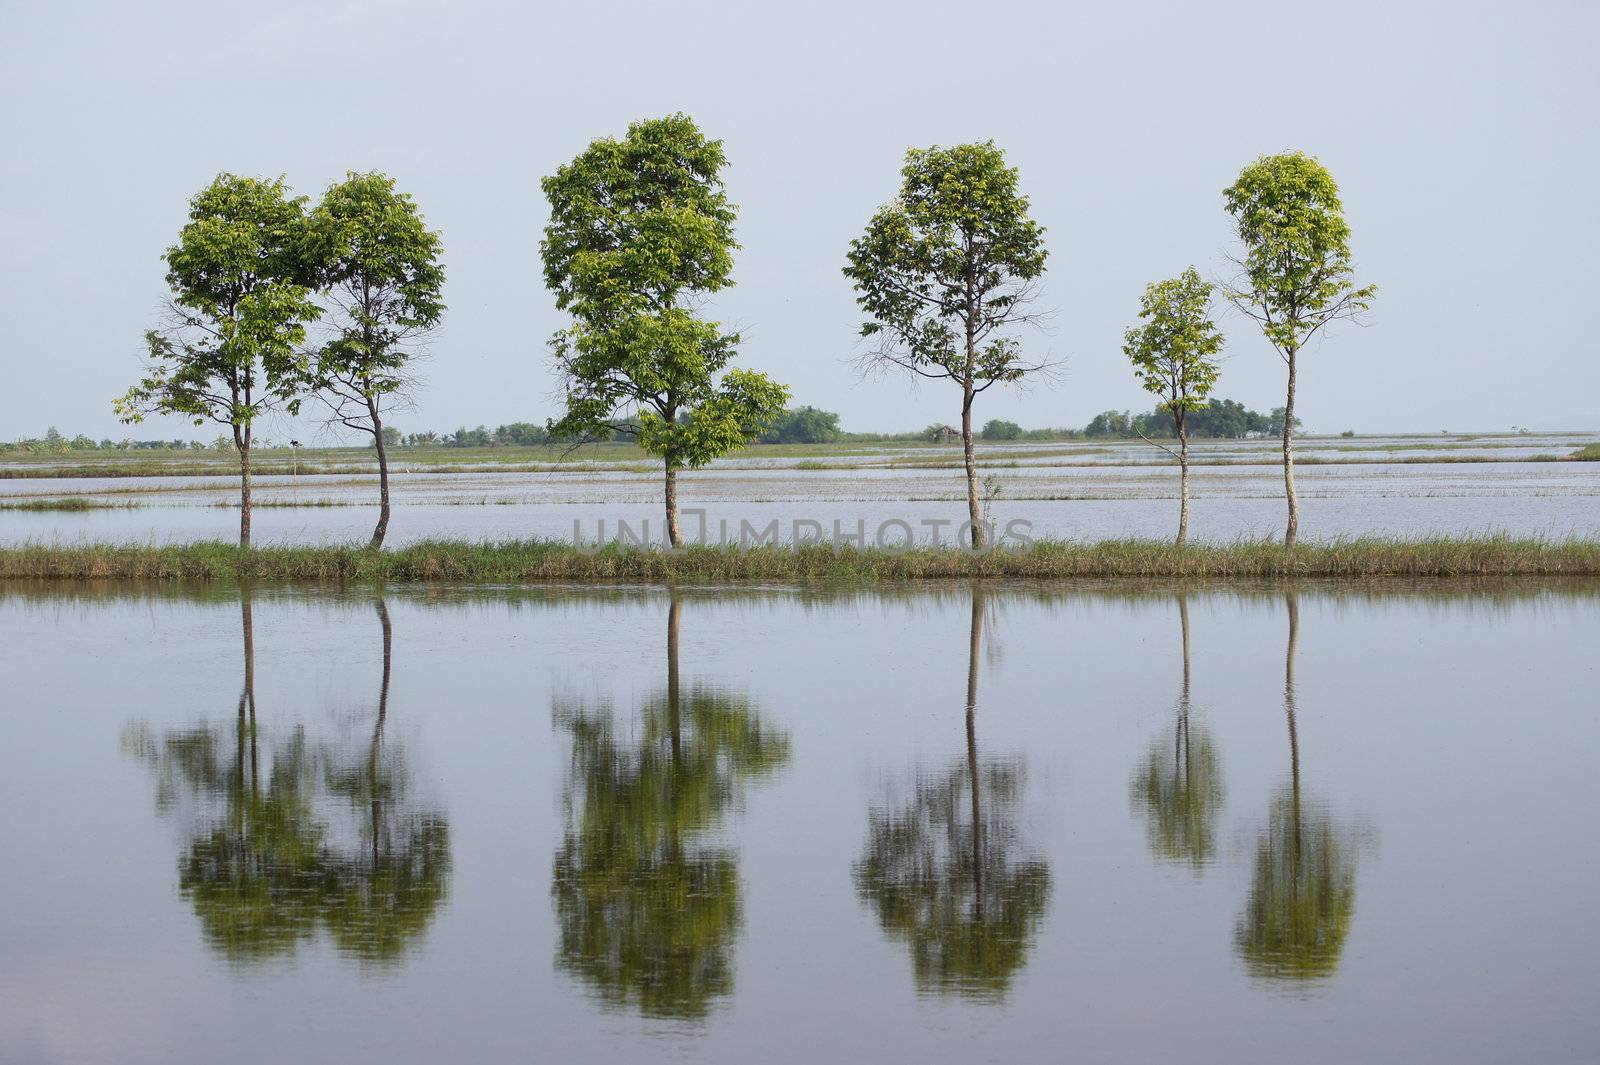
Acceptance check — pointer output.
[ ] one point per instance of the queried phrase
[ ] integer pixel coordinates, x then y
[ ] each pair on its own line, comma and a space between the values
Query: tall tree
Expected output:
944, 272
377, 264
230, 350
641, 232
1296, 270
1174, 354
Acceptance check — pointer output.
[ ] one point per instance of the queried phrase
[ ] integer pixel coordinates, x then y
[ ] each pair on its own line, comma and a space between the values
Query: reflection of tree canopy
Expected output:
264, 870
945, 870
648, 909
1303, 895
965, 902
1178, 786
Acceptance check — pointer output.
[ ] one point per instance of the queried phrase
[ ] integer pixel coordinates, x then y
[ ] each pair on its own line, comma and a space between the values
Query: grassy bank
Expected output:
69, 504
541, 561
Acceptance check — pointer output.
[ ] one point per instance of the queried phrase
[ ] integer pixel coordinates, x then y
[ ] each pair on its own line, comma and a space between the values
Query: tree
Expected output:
1109, 423
520, 434
377, 264
944, 272
946, 872
803, 425
1174, 355
640, 231
1296, 270
998, 429
230, 351
1274, 423
1224, 418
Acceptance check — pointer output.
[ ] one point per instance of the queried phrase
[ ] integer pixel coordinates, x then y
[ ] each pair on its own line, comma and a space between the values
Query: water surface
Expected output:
990, 823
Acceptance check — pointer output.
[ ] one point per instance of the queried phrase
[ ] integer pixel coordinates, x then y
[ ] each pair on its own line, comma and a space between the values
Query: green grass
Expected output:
514, 562
1588, 453
69, 503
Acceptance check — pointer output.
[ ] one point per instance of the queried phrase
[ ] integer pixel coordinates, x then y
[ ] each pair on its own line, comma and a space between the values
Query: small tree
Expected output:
377, 263
237, 317
944, 271
641, 231
1000, 429
1116, 423
1174, 354
803, 425
1296, 270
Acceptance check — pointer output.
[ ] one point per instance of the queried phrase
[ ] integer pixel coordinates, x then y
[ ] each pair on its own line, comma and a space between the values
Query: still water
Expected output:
1404, 499
978, 823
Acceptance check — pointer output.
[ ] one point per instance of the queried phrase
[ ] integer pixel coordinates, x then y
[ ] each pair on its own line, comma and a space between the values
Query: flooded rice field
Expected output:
956, 823
1058, 492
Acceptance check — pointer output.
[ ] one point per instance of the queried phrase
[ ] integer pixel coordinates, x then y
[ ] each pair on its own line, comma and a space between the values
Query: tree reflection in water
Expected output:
946, 871
1303, 895
648, 906
265, 872
1178, 787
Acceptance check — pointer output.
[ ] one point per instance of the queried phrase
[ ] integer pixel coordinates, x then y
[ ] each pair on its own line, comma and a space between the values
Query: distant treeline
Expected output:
1218, 419
54, 443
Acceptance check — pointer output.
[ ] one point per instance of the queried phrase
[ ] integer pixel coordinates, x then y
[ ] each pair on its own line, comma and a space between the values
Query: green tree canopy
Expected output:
803, 425
640, 232
1174, 350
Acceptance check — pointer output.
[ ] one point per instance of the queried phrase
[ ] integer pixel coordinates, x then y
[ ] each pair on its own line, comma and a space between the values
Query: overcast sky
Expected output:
1464, 137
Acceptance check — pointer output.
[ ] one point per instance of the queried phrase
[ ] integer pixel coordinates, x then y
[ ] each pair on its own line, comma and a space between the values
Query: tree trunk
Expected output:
974, 644
242, 442
974, 511
1183, 481
383, 474
674, 536
1291, 534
